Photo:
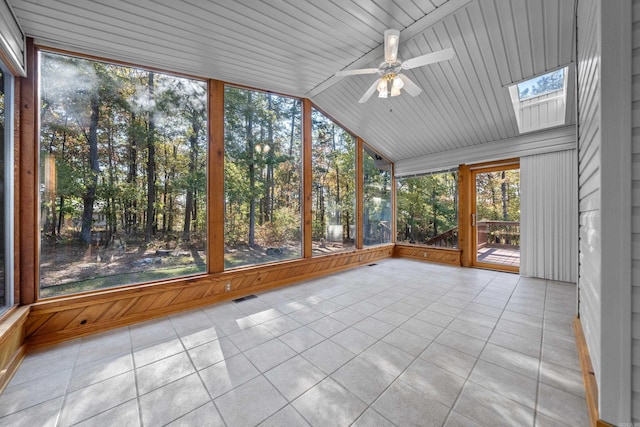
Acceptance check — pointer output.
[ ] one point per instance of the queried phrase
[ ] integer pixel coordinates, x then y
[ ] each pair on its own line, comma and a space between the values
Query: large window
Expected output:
427, 210
123, 175
6, 189
263, 216
377, 198
333, 186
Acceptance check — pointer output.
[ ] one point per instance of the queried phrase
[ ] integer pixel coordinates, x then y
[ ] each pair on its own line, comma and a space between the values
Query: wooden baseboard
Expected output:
62, 319
450, 256
12, 343
588, 376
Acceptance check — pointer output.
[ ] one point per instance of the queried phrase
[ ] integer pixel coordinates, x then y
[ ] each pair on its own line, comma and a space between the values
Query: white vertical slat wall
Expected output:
589, 141
542, 111
604, 64
548, 216
635, 252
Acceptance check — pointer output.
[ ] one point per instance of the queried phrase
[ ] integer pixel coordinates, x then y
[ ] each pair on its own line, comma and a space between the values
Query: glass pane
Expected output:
333, 187
546, 83
123, 164
3, 282
498, 217
377, 198
263, 216
428, 210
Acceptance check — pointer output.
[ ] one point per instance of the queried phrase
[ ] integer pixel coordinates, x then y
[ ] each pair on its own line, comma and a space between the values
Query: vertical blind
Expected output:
548, 216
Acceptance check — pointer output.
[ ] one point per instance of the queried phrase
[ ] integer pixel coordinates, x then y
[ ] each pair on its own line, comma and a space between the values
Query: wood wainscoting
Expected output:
13, 347
450, 256
64, 318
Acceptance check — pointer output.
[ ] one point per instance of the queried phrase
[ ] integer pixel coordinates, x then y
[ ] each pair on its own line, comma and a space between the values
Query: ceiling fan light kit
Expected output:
391, 80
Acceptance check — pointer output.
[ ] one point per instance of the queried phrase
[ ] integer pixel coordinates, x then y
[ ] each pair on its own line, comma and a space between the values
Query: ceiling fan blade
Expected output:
356, 72
411, 88
429, 58
391, 41
370, 91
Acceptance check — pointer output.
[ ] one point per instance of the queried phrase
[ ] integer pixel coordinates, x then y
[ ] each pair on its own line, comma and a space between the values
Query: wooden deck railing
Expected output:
500, 233
490, 233
448, 239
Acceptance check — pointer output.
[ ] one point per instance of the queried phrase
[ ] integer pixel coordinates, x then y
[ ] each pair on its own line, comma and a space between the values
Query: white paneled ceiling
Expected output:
296, 46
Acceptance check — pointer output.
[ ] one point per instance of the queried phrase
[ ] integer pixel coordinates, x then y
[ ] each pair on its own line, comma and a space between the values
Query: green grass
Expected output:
120, 280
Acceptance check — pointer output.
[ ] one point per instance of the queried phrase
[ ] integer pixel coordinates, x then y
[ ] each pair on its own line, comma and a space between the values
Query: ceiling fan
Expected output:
391, 79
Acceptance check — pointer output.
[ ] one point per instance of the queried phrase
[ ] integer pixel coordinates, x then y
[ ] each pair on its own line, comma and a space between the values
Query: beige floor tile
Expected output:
173, 401
212, 352
228, 374
449, 359
512, 385
205, 416
404, 405
328, 403
362, 378
92, 400
294, 377
126, 414
250, 404
286, 416
327, 356
490, 409
269, 354
387, 357
162, 372
436, 382
42, 415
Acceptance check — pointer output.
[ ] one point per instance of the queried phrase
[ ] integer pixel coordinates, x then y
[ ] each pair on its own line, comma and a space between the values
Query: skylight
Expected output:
540, 102
541, 85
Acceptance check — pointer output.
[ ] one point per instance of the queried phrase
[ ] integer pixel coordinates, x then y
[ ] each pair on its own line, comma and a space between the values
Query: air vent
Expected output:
244, 298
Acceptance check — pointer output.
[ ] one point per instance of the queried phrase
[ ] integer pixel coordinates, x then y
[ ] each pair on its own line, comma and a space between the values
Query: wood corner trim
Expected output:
588, 376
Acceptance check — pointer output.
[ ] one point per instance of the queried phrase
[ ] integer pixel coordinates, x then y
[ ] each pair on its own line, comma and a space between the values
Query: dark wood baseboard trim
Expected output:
588, 376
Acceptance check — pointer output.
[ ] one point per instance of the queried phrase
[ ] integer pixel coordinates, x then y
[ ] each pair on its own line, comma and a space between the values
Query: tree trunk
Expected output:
252, 173
172, 176
435, 212
151, 167
269, 185
503, 189
89, 197
337, 168
61, 214
112, 225
130, 213
189, 203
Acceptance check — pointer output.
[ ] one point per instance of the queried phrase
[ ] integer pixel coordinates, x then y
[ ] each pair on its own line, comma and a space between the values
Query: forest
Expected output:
427, 207
123, 166
123, 174
427, 211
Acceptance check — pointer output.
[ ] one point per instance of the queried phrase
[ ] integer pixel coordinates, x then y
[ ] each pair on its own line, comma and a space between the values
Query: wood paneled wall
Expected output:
80, 315
12, 343
449, 256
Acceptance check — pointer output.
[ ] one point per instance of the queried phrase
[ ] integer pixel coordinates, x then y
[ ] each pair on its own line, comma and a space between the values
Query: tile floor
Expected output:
397, 343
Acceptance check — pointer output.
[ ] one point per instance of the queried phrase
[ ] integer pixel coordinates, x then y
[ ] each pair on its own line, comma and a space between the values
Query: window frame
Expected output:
301, 187
357, 181
392, 195
34, 63
28, 201
9, 187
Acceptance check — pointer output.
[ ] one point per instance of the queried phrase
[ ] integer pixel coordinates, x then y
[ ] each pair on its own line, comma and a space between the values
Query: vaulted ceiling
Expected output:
295, 47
